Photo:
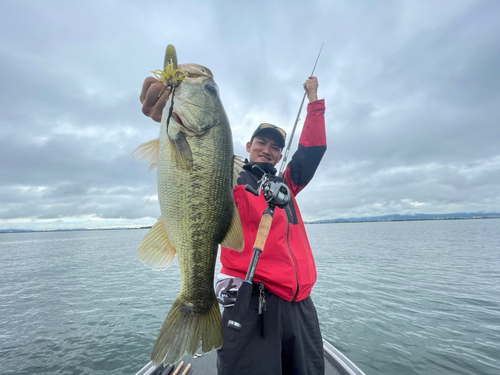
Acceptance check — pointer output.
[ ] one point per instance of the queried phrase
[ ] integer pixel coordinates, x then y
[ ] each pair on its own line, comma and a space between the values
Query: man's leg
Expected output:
248, 352
302, 340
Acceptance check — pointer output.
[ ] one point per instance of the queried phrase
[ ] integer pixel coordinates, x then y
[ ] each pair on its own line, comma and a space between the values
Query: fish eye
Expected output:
211, 88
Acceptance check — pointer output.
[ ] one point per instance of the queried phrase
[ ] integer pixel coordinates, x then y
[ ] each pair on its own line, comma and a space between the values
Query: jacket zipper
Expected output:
293, 260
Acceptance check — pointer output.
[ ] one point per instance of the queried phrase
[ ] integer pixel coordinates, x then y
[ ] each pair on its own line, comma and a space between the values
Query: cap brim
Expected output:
275, 134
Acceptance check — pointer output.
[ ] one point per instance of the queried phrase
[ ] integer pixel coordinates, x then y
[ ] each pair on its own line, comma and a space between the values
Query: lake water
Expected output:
395, 297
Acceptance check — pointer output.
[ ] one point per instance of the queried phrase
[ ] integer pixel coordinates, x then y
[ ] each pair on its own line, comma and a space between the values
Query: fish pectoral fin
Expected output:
149, 152
184, 155
238, 163
234, 237
155, 250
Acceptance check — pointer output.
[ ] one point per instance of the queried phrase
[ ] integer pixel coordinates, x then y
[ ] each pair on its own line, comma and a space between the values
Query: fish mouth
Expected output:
184, 123
178, 119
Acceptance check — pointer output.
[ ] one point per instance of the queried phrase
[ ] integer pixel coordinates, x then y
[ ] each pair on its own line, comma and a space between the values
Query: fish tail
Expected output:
184, 329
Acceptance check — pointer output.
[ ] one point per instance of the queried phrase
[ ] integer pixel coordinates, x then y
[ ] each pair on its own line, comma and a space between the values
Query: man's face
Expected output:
264, 149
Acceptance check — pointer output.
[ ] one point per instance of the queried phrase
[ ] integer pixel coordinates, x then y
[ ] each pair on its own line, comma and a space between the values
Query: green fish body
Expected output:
195, 161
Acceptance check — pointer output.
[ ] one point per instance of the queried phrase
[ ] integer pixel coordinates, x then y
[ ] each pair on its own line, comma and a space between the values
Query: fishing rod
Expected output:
275, 189
285, 156
276, 194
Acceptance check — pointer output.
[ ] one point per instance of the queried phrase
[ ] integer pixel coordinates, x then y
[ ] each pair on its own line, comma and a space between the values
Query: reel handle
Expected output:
252, 190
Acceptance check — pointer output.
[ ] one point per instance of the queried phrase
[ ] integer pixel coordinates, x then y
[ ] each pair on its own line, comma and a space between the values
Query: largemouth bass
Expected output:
194, 157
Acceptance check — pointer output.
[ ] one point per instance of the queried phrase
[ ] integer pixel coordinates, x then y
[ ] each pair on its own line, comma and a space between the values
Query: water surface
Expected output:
396, 298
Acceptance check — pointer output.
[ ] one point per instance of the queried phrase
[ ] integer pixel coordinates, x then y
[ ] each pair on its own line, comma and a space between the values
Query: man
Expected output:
284, 336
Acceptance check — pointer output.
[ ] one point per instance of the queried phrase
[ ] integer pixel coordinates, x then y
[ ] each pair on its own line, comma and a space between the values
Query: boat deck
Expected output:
205, 364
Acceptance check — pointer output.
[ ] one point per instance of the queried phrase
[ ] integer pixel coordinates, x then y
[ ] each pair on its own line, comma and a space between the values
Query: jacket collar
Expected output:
266, 167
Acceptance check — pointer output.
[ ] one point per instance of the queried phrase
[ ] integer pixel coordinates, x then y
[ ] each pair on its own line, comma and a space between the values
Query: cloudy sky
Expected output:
412, 90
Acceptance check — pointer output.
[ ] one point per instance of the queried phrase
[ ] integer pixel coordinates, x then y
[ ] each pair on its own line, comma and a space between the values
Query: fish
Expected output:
196, 174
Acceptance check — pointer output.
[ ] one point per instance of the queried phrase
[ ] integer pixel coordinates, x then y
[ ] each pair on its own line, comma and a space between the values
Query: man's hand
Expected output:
311, 86
152, 105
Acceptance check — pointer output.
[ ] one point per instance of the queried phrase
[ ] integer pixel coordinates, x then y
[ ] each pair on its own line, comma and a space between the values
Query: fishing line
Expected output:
171, 110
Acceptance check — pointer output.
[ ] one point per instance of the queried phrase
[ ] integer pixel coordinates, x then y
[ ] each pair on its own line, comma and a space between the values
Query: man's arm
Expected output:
312, 143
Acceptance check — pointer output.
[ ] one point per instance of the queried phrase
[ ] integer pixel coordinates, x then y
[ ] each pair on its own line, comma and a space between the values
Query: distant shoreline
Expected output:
66, 230
382, 219
341, 221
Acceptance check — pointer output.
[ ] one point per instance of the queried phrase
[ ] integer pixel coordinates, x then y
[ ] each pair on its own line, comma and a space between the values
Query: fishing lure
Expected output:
170, 75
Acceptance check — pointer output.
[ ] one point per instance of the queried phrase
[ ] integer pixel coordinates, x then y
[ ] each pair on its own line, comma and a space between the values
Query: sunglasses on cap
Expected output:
270, 126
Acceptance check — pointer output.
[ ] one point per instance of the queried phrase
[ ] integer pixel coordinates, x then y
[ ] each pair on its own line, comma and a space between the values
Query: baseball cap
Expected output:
269, 128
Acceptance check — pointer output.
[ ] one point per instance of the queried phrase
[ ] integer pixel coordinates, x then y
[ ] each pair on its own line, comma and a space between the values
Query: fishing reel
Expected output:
276, 191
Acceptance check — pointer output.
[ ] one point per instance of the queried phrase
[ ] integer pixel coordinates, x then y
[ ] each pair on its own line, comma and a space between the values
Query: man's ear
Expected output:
249, 146
281, 155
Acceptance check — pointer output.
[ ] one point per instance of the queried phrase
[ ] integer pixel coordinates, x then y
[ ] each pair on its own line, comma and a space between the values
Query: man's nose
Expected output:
267, 150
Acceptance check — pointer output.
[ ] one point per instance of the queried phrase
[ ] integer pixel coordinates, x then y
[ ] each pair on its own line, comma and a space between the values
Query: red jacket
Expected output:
286, 266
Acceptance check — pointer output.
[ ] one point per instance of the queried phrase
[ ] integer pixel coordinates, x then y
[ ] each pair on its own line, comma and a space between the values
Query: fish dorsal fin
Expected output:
234, 237
155, 250
238, 163
149, 152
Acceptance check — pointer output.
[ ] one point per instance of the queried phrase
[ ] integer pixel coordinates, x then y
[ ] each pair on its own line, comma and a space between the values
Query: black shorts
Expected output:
285, 339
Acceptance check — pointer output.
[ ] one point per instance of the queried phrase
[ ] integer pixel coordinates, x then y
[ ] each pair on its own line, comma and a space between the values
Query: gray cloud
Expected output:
411, 90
